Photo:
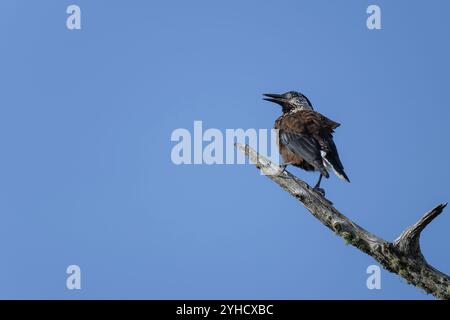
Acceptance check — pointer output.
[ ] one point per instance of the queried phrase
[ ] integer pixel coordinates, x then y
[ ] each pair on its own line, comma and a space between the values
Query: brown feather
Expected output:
307, 122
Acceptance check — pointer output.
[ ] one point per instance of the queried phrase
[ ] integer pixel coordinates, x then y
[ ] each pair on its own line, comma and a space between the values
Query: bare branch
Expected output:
409, 241
402, 257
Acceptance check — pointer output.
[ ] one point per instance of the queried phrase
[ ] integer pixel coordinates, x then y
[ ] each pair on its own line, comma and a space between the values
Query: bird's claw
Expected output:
322, 193
319, 191
283, 167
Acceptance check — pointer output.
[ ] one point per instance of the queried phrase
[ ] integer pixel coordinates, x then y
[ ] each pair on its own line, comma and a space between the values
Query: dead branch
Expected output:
403, 256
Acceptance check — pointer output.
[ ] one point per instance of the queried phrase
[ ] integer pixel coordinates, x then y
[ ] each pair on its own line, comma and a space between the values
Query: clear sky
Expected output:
86, 116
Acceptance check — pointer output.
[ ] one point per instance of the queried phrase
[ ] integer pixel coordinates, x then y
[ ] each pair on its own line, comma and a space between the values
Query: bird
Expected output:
305, 137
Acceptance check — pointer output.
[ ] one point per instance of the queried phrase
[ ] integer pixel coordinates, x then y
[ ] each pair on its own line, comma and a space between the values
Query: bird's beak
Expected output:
277, 98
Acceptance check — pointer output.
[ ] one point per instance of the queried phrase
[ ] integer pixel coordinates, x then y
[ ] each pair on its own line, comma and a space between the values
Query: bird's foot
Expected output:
283, 167
320, 191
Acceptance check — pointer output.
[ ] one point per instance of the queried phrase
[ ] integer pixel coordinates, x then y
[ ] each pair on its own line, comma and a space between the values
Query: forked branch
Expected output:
403, 256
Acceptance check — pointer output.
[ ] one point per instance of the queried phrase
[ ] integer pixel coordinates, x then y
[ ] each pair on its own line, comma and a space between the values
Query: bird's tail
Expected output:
337, 167
341, 174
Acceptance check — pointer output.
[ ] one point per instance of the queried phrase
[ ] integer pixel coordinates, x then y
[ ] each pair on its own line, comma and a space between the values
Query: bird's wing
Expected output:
310, 134
295, 136
305, 146
322, 129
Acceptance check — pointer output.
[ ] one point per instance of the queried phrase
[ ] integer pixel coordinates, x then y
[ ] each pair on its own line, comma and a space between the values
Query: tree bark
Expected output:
403, 256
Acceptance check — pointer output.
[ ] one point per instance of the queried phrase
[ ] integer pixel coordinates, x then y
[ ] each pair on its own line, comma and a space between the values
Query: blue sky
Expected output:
85, 122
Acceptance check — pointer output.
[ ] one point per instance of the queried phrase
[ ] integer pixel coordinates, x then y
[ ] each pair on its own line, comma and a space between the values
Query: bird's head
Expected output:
290, 101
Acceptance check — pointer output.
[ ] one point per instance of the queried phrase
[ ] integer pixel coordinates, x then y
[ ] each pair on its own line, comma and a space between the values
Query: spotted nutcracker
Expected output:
306, 136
